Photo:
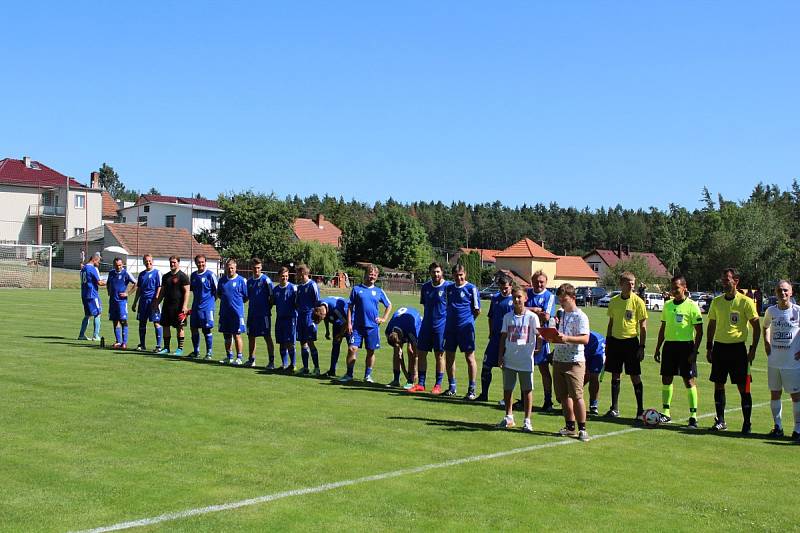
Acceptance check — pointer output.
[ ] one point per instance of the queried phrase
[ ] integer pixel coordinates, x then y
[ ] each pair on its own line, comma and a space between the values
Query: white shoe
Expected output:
566, 432
506, 423
527, 427
501, 403
583, 436
239, 361
369, 379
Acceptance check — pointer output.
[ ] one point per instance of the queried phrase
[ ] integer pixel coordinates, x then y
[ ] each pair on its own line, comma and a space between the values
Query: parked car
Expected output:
603, 302
590, 295
654, 301
487, 292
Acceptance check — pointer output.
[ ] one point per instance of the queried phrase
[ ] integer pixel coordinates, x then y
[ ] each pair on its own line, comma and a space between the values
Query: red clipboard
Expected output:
549, 334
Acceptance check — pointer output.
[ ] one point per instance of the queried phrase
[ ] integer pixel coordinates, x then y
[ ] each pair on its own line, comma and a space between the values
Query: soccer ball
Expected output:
651, 418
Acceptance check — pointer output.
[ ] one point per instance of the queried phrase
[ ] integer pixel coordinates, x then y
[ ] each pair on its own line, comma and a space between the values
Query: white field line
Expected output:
357, 481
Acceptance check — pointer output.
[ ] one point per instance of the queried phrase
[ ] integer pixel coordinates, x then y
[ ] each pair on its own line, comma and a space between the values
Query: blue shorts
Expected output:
492, 353
145, 311
258, 325
595, 362
118, 311
232, 324
461, 337
285, 330
202, 318
370, 338
92, 307
306, 329
542, 357
430, 339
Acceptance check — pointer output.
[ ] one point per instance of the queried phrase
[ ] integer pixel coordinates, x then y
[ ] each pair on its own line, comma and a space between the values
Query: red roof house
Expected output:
319, 229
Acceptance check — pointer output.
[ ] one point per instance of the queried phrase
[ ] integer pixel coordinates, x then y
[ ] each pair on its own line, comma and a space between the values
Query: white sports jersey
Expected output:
520, 344
784, 326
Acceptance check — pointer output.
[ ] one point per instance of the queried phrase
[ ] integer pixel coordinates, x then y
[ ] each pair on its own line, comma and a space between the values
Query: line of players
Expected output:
447, 324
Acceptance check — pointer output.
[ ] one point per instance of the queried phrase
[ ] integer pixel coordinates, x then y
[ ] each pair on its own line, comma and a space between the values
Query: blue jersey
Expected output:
232, 296
307, 297
364, 305
284, 300
545, 300
337, 310
596, 345
118, 282
259, 293
434, 301
408, 321
461, 301
204, 290
148, 283
497, 310
90, 280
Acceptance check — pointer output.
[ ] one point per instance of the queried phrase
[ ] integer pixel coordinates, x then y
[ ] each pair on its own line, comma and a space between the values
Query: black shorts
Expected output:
729, 359
675, 359
169, 317
623, 352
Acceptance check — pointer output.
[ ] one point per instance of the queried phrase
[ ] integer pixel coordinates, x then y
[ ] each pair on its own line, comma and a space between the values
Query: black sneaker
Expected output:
664, 419
611, 413
719, 425
518, 405
482, 397
692, 423
329, 374
547, 407
449, 393
593, 410
776, 433
796, 437
471, 396
746, 428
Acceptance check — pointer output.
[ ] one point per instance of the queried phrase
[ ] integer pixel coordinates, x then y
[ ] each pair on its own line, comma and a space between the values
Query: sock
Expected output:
142, 333
335, 356
796, 412
422, 379
315, 357
638, 390
159, 335
239, 355
615, 394
666, 398
439, 378
84, 325
571, 425
284, 357
180, 342
452, 383
209, 342
293, 355
118, 335
367, 372
350, 368
692, 394
304, 356
125, 334
777, 408
486, 380
747, 406
581, 426
397, 375
97, 327
167, 341
719, 404
196, 341
471, 386
548, 398
592, 403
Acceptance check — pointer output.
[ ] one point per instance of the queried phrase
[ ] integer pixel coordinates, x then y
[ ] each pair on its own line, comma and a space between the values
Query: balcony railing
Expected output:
40, 210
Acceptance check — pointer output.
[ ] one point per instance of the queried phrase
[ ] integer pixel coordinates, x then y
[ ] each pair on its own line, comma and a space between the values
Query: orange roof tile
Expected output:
326, 232
159, 242
109, 206
526, 248
573, 266
486, 255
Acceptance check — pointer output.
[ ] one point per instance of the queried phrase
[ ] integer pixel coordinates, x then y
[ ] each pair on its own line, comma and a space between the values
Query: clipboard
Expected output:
549, 334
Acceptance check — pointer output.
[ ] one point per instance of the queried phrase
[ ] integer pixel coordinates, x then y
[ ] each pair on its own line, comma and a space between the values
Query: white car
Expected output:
654, 301
603, 302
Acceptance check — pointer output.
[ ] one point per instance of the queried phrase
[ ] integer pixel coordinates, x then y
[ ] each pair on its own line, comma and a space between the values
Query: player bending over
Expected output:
333, 311
403, 328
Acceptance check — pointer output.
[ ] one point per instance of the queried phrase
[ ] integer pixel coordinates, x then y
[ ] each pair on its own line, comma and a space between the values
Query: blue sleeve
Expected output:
551, 306
316, 290
352, 296
385, 299
245, 294
130, 278
476, 299
490, 314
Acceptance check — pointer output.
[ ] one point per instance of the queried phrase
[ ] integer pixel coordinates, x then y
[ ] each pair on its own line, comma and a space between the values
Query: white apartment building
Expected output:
158, 211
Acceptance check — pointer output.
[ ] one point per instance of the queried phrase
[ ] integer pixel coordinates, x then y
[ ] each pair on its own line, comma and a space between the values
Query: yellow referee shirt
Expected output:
680, 319
626, 315
732, 317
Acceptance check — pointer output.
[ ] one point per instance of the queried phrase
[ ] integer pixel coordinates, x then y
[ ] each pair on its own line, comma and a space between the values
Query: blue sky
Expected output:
581, 103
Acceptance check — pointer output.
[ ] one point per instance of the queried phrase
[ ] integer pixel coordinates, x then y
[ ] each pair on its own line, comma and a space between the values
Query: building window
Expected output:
80, 201
143, 221
147, 209
595, 266
170, 221
78, 231
124, 219
214, 223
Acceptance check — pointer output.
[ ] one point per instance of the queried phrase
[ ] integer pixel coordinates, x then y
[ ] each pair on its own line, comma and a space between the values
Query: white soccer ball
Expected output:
651, 418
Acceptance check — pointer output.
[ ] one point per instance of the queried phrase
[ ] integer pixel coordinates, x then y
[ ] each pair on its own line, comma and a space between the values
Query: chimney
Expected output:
94, 180
320, 220
27, 160
541, 243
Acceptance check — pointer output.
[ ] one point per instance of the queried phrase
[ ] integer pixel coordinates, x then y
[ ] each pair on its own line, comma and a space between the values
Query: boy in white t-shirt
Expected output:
517, 350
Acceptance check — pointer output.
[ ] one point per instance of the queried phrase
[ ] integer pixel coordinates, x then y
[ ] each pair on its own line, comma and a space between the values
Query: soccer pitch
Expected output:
90, 438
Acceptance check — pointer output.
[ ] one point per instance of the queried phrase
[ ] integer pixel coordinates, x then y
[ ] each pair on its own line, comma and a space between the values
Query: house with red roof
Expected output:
487, 255
524, 257
160, 211
43, 206
600, 261
318, 229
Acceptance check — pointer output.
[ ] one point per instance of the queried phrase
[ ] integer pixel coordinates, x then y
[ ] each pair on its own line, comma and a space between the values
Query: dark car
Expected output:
590, 295
487, 292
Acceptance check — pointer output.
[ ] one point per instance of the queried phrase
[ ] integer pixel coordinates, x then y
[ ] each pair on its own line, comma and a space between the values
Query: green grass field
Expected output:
92, 437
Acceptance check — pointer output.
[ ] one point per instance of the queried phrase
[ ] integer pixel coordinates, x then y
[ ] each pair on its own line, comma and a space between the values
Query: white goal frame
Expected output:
28, 257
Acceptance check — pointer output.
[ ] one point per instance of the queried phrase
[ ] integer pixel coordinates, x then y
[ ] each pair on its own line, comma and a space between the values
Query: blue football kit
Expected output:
232, 296
259, 311
408, 322
204, 292
498, 308
285, 313
306, 299
459, 329
545, 300
118, 305
434, 302
364, 310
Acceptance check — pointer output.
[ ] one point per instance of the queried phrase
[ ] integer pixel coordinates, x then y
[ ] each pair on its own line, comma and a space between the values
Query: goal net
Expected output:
26, 265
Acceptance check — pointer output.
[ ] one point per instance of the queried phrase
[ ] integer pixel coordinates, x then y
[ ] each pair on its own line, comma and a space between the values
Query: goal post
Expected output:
26, 266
